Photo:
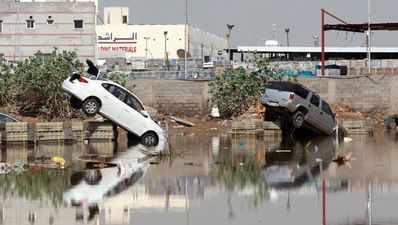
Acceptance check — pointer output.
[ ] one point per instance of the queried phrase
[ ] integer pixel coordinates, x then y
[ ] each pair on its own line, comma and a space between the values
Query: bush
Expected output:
117, 77
37, 84
238, 89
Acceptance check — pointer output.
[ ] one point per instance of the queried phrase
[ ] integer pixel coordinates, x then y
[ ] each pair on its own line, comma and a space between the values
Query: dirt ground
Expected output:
205, 124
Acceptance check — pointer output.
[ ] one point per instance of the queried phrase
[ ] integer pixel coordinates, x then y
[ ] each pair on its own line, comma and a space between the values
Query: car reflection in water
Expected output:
94, 186
298, 162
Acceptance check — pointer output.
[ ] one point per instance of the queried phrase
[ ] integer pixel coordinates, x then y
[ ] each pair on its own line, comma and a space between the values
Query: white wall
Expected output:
134, 46
18, 42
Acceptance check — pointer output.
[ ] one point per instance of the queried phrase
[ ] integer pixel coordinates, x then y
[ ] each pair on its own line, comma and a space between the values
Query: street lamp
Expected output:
287, 30
316, 40
166, 57
146, 50
229, 27
186, 38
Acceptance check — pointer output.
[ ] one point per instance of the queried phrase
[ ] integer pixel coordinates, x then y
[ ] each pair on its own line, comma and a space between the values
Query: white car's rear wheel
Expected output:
91, 106
149, 139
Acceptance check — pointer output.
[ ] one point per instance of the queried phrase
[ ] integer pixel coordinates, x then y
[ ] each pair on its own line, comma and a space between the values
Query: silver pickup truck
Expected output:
289, 103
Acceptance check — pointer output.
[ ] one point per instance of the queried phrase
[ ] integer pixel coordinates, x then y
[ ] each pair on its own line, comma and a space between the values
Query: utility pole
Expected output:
229, 27
146, 50
166, 57
202, 52
287, 30
369, 42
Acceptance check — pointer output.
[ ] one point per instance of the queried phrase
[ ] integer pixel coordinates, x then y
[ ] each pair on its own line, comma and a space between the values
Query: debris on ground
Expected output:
182, 121
60, 161
343, 159
251, 113
345, 112
94, 158
18, 167
215, 113
153, 112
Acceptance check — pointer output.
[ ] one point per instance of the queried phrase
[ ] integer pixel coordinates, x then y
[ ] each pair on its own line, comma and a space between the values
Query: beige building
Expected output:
27, 27
119, 39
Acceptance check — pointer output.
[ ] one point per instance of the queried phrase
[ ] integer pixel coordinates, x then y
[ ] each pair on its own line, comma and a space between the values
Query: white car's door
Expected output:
137, 121
113, 105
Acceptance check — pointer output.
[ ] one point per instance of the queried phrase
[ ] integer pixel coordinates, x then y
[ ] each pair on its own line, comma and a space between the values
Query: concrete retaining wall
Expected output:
173, 96
380, 93
192, 97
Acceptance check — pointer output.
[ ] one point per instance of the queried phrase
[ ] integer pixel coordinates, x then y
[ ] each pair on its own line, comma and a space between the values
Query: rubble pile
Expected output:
251, 113
345, 112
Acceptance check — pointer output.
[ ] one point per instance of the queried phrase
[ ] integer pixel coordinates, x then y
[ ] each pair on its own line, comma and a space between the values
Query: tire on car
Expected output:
75, 102
298, 119
149, 139
91, 106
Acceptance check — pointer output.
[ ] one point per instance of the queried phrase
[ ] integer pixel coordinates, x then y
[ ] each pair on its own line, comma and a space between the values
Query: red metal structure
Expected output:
323, 13
344, 26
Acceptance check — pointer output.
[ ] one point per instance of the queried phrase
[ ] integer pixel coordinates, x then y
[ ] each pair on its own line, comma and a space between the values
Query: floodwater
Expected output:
207, 180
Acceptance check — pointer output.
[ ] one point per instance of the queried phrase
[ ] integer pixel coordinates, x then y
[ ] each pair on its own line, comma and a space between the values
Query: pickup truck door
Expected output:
328, 122
314, 116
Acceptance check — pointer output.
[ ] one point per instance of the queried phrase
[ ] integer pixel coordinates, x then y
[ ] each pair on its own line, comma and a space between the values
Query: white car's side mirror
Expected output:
145, 113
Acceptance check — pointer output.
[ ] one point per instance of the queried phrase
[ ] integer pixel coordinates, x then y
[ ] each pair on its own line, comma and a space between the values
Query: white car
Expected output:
115, 103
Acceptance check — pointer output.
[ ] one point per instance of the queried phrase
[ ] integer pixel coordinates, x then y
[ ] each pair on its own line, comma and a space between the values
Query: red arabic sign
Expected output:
118, 49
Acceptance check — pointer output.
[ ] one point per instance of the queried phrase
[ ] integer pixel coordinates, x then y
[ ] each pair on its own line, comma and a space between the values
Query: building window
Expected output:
50, 20
1, 26
124, 19
30, 23
78, 24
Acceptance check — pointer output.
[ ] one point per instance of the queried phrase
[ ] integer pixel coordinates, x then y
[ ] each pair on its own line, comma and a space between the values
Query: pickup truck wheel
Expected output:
149, 139
269, 116
91, 106
298, 119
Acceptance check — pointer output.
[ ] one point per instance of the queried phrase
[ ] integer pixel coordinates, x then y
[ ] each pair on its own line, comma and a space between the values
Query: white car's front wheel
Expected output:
149, 139
91, 106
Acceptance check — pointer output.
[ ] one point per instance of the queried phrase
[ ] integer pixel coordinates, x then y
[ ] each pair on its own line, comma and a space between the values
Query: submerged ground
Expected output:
208, 179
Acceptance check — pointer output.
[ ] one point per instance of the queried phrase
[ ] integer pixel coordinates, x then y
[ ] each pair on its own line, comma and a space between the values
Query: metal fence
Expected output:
197, 74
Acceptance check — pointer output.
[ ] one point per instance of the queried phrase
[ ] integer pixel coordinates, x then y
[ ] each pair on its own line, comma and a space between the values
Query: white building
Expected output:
27, 27
119, 39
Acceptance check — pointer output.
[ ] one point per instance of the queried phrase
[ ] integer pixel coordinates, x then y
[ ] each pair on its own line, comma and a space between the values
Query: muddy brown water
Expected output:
214, 179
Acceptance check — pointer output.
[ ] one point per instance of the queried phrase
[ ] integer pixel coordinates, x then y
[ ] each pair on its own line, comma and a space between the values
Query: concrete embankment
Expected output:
363, 94
374, 94
57, 131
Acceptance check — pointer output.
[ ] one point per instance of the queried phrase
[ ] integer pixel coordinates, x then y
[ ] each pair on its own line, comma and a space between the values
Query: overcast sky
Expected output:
254, 19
